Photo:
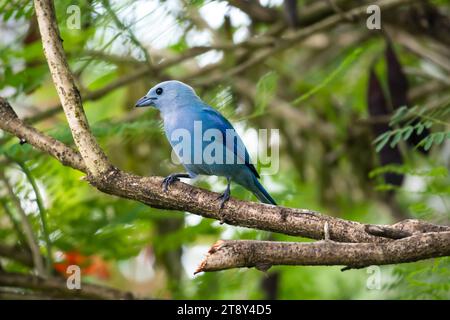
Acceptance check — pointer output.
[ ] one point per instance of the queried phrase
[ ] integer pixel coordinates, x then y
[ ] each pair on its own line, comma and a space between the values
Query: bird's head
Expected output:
167, 94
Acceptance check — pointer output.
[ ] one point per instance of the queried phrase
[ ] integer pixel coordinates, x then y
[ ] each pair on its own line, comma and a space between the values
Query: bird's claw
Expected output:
168, 181
223, 198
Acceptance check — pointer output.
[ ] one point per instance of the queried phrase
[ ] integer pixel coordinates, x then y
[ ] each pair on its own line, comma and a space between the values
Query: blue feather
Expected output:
184, 112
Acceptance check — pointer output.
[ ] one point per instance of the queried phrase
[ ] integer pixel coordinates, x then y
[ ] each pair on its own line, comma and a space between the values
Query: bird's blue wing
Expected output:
213, 119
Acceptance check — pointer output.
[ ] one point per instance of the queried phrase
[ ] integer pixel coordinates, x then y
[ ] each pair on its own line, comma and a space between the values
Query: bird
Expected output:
211, 144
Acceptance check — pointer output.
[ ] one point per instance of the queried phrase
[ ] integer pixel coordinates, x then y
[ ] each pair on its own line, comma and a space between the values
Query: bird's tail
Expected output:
261, 193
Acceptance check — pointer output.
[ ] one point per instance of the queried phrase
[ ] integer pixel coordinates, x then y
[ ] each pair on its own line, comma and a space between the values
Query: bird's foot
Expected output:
223, 198
168, 181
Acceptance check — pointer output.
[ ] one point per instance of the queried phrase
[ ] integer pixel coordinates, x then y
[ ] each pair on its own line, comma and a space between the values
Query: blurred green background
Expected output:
317, 93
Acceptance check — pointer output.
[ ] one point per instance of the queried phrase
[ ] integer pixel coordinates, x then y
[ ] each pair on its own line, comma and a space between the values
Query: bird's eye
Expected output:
159, 91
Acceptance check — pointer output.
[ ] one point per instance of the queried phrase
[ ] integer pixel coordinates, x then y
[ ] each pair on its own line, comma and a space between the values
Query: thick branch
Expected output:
12, 124
59, 285
94, 158
183, 197
264, 254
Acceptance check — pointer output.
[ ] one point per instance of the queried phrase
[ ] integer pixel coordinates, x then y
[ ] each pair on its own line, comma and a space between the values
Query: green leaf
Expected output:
396, 139
394, 168
383, 142
428, 124
381, 137
439, 137
407, 132
429, 142
420, 127
348, 61
398, 115
438, 172
265, 90
7, 15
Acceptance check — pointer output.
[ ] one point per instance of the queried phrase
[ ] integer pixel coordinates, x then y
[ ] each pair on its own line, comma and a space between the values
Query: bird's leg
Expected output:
224, 197
172, 178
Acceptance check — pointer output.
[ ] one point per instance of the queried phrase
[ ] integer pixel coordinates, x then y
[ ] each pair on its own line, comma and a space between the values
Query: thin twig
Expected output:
26, 225
253, 43
124, 28
14, 222
42, 213
59, 286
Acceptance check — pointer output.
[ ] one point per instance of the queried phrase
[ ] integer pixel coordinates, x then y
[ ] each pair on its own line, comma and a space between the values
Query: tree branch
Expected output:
12, 124
264, 254
184, 197
16, 253
274, 45
93, 156
256, 11
59, 286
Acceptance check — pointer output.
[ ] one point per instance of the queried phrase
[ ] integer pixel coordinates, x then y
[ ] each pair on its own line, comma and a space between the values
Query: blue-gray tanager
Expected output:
205, 142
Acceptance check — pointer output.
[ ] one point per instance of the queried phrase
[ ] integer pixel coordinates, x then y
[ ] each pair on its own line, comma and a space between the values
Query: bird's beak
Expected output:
145, 101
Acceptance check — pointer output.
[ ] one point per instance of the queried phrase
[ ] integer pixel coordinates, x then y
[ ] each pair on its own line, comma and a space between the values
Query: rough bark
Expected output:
93, 156
183, 197
264, 254
12, 124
